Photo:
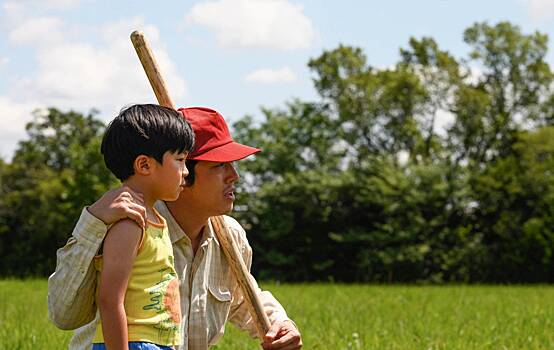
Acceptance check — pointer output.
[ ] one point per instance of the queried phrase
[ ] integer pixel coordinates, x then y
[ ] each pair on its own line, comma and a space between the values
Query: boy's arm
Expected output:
71, 288
120, 249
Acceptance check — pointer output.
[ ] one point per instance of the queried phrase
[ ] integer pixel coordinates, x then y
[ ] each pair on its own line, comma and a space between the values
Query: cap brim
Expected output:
227, 153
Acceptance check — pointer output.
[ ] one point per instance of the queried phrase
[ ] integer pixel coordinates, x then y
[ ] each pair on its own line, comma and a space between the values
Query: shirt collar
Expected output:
210, 232
176, 233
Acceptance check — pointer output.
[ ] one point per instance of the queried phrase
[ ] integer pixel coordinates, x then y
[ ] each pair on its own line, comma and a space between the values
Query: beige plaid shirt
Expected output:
209, 293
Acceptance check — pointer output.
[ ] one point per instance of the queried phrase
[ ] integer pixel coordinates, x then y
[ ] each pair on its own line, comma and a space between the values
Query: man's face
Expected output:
213, 191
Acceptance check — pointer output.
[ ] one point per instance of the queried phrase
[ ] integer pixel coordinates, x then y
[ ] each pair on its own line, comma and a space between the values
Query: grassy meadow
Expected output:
333, 316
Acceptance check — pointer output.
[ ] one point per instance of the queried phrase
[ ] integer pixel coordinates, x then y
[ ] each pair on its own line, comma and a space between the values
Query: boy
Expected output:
145, 147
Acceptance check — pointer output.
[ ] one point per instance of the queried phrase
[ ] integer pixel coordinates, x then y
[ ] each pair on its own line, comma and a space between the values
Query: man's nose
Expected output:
233, 174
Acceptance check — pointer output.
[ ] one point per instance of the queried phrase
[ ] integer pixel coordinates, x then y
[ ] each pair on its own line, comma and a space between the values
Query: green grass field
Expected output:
347, 317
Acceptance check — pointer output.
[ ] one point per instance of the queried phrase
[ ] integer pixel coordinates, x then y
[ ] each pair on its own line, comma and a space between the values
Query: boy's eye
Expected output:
182, 157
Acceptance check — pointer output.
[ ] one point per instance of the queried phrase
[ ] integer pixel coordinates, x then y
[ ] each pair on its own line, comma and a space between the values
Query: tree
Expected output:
515, 211
441, 76
376, 109
362, 187
51, 176
507, 96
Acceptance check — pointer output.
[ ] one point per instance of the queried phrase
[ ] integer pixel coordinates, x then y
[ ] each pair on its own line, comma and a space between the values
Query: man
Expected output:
209, 294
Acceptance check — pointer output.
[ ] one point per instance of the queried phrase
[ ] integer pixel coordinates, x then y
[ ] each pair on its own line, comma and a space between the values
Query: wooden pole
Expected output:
151, 69
232, 254
242, 275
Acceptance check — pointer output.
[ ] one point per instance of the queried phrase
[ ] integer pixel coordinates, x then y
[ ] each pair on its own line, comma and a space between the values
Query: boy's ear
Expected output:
142, 165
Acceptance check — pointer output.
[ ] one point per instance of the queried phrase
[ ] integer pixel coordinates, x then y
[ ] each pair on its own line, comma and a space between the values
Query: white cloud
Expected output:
540, 9
107, 76
41, 31
82, 73
474, 74
3, 62
275, 24
13, 117
18, 11
444, 120
271, 76
14, 7
58, 4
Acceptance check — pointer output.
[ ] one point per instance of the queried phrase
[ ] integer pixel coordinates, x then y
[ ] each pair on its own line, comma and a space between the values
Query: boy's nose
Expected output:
185, 171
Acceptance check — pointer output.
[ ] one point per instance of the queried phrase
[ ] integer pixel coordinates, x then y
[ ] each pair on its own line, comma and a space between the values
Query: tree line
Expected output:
365, 184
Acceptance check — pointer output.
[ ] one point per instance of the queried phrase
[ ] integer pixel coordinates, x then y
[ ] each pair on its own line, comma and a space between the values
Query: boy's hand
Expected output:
120, 203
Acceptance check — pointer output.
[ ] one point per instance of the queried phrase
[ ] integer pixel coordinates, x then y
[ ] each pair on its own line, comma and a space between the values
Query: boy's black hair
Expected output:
144, 129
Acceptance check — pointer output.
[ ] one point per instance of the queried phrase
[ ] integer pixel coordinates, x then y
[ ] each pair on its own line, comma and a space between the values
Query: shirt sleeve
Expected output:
239, 314
72, 287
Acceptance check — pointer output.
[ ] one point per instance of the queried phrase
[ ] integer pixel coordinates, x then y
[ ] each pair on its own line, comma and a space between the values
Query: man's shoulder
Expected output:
235, 228
232, 222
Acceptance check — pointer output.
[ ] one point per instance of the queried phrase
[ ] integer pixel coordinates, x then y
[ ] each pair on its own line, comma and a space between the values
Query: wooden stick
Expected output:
238, 266
151, 69
230, 250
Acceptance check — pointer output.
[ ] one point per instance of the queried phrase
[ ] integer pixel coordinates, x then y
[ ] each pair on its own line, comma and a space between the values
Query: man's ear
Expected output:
143, 165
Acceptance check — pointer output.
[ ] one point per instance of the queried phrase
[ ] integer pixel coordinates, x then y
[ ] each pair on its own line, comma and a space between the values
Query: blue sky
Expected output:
231, 55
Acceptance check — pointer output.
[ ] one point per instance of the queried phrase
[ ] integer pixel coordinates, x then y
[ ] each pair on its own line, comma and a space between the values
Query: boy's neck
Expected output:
148, 198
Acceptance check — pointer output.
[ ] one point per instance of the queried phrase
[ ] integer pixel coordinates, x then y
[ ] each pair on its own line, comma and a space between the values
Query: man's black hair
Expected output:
191, 167
144, 129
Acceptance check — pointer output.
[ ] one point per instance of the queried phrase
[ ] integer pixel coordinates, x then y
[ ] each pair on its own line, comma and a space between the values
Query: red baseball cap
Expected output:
213, 141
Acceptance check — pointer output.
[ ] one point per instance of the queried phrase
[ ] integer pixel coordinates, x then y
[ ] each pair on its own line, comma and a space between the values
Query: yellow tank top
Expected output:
152, 300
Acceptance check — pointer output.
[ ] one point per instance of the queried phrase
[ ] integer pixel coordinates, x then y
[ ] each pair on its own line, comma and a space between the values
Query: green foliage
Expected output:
51, 176
362, 187
515, 211
507, 97
376, 109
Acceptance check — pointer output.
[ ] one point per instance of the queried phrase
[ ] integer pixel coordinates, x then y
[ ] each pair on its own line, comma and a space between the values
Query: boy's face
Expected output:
169, 177
213, 191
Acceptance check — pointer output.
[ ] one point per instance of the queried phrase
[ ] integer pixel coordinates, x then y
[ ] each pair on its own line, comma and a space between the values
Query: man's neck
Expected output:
190, 220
